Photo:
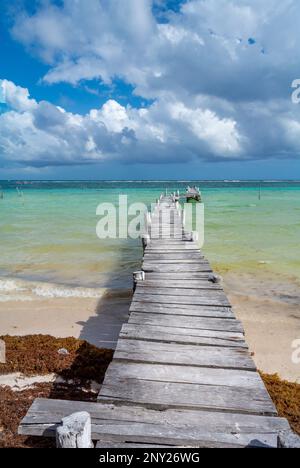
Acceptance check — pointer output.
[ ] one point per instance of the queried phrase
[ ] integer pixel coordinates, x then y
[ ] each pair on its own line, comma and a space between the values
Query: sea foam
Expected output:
21, 290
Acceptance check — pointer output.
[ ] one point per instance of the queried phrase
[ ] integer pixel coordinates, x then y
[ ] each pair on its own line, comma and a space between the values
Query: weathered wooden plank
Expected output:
189, 255
169, 246
182, 309
143, 288
217, 300
169, 233
182, 284
167, 236
176, 243
172, 241
197, 294
156, 394
181, 263
125, 445
182, 335
197, 356
177, 275
183, 374
175, 267
177, 227
178, 321
195, 261
120, 424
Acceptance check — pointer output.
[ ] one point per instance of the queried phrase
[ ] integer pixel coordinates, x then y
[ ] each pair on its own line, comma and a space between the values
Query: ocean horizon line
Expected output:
272, 180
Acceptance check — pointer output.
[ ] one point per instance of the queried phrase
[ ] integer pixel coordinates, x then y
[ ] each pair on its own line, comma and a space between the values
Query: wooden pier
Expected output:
182, 374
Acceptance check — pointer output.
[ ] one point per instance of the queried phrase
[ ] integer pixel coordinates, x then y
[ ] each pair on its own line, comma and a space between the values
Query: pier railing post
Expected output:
149, 218
194, 236
145, 241
75, 431
138, 276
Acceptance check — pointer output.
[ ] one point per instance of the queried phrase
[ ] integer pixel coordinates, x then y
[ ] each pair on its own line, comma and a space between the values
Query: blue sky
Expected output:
149, 89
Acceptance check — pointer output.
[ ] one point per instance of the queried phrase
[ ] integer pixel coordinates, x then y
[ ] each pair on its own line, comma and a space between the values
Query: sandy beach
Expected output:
97, 320
270, 314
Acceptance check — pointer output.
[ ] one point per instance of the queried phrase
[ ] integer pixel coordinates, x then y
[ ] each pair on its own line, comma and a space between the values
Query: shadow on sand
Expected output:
112, 310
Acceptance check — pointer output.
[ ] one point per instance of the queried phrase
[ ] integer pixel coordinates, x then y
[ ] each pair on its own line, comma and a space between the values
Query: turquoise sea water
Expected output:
48, 229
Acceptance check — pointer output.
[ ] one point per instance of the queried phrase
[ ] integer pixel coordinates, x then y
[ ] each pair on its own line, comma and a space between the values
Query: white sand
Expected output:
96, 320
271, 324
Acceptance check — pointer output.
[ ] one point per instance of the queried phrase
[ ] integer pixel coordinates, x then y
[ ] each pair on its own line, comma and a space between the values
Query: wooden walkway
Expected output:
182, 374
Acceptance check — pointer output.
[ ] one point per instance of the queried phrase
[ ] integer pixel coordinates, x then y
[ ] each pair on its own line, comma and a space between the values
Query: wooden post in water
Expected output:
75, 431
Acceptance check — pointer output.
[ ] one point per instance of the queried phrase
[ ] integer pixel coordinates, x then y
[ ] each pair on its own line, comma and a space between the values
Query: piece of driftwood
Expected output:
75, 431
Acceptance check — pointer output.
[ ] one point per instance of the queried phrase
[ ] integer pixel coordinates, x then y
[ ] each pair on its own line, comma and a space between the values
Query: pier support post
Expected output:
145, 241
75, 431
138, 276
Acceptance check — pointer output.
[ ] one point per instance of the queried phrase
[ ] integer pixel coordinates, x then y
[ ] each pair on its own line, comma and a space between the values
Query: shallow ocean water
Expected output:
48, 231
